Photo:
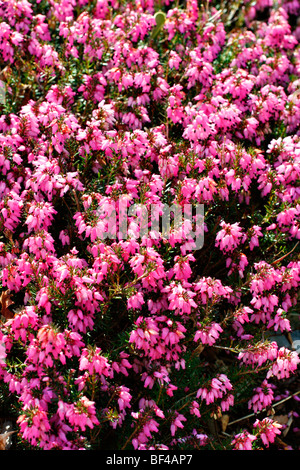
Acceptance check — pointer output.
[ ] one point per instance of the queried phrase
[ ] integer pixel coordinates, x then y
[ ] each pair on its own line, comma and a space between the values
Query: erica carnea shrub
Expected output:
147, 341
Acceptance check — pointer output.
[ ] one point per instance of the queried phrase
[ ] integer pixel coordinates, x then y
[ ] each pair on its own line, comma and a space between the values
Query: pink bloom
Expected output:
286, 363
82, 414
34, 424
94, 362
64, 237
243, 441
177, 423
280, 321
258, 354
182, 269
181, 299
194, 409
267, 430
136, 301
217, 388
210, 289
174, 60
262, 398
230, 236
40, 216
208, 334
255, 232
124, 397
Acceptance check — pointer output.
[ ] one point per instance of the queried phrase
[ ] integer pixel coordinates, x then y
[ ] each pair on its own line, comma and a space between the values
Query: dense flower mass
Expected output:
118, 331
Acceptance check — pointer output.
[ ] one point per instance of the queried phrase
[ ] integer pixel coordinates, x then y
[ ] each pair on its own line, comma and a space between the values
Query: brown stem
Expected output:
254, 414
284, 256
136, 429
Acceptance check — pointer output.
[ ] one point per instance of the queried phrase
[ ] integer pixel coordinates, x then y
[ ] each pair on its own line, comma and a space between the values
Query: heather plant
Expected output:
147, 341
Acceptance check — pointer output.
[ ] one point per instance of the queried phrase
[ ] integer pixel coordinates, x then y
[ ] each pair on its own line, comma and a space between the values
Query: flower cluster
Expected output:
117, 330
219, 387
264, 431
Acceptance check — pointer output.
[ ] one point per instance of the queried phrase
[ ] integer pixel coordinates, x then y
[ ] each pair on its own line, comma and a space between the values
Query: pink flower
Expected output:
217, 388
182, 269
229, 237
243, 441
267, 430
174, 60
210, 289
194, 409
136, 301
181, 299
64, 237
94, 362
255, 232
40, 216
34, 424
286, 363
43, 300
199, 129
208, 333
124, 397
280, 321
82, 414
24, 320
258, 354
262, 398
177, 422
